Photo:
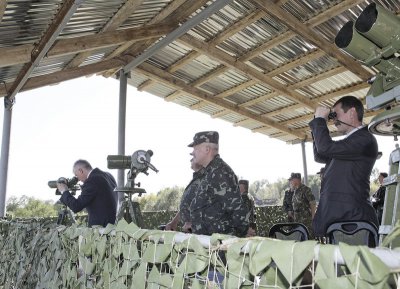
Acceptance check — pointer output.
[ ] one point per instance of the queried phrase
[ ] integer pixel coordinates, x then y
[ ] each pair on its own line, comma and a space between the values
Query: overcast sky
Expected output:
56, 125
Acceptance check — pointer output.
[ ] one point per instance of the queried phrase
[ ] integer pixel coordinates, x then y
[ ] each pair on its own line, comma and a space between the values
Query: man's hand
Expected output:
290, 216
62, 187
322, 111
251, 232
171, 226
187, 227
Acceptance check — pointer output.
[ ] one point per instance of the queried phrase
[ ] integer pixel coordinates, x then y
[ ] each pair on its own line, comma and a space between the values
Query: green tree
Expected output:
268, 193
167, 199
26, 207
314, 183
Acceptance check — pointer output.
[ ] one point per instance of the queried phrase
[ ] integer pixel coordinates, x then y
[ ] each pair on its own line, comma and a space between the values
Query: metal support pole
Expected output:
391, 205
121, 129
303, 153
5, 151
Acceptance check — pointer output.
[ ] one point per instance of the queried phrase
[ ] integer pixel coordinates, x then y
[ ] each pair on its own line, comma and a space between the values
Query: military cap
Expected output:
295, 176
244, 182
205, 136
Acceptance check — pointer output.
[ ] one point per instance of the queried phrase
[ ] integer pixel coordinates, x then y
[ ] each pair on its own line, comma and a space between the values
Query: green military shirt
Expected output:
188, 195
301, 199
217, 206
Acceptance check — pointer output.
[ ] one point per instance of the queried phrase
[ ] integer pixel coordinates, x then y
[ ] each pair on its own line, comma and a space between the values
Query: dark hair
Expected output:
349, 102
83, 163
245, 183
383, 175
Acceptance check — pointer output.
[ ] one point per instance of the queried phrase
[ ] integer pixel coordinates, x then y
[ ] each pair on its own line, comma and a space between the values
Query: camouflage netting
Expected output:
38, 255
266, 217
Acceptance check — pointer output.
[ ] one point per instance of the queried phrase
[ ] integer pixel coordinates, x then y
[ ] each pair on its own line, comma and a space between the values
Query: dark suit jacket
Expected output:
345, 186
97, 196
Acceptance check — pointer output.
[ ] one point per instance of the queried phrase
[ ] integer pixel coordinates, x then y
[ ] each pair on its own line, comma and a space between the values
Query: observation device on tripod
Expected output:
65, 215
374, 40
139, 162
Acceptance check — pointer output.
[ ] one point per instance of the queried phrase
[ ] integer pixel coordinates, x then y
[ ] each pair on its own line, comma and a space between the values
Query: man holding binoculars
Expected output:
349, 162
97, 196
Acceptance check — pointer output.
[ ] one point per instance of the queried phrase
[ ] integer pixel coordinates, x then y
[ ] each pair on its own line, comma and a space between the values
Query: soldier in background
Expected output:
217, 207
378, 198
287, 203
248, 201
303, 202
188, 195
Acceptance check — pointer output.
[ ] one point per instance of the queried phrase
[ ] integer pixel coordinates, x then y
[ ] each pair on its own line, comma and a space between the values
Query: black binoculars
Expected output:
332, 115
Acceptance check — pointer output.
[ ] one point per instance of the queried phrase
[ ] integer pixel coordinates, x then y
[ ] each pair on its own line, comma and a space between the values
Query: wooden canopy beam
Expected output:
171, 81
122, 14
3, 5
22, 54
60, 20
229, 61
286, 36
307, 33
174, 13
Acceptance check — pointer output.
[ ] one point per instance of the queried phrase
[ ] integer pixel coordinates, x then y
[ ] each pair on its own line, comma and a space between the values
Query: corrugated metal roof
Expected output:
242, 64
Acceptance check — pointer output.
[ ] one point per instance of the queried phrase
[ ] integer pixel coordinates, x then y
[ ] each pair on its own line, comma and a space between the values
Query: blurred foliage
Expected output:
167, 199
265, 218
374, 183
25, 207
266, 193
153, 219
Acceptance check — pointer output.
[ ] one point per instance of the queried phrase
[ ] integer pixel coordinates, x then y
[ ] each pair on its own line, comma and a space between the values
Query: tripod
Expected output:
130, 210
65, 216
139, 162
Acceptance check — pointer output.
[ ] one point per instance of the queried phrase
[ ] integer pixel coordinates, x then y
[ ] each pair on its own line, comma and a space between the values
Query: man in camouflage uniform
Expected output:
217, 206
287, 203
248, 202
188, 195
303, 202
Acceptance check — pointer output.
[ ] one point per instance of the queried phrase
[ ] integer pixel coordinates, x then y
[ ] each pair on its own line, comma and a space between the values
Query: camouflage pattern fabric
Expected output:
302, 197
287, 201
188, 195
249, 204
217, 206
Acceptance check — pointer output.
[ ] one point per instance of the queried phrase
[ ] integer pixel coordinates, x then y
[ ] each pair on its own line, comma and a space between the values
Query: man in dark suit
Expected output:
349, 162
98, 196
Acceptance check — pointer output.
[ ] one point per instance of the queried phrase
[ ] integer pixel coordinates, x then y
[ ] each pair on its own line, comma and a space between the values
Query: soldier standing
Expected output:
378, 198
248, 201
303, 202
287, 203
188, 195
217, 207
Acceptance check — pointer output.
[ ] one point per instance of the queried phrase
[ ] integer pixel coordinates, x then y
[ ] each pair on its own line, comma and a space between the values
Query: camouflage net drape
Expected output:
40, 255
266, 217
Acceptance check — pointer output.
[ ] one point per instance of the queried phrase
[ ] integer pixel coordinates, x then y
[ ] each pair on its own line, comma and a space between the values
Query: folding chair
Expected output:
289, 231
353, 233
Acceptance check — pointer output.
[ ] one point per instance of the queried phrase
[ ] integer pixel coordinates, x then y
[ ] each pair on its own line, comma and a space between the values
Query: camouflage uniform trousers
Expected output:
217, 206
249, 204
301, 207
287, 204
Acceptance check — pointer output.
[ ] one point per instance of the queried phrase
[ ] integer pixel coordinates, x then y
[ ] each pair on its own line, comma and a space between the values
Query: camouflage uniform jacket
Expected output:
188, 195
249, 204
302, 197
218, 206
